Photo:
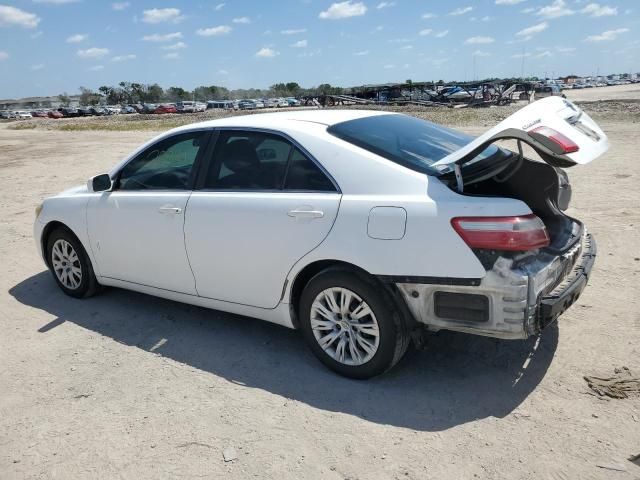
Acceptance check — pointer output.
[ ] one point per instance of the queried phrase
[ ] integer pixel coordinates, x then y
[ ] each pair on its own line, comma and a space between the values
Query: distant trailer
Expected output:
228, 104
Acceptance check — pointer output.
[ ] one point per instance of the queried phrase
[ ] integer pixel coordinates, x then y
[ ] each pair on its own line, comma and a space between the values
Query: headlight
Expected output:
38, 210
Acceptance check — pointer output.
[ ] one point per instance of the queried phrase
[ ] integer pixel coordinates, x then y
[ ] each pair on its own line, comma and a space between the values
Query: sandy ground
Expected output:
129, 386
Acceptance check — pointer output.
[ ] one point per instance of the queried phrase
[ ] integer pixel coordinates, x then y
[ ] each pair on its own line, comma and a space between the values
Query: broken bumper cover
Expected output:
523, 295
556, 302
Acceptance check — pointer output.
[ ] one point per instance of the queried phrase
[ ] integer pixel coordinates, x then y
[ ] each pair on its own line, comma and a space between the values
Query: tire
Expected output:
362, 354
70, 264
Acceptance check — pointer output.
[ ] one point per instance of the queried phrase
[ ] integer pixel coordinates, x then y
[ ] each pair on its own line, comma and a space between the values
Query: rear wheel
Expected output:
350, 325
70, 265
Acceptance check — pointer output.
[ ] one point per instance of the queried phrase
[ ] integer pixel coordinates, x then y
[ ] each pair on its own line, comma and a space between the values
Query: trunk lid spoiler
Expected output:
559, 131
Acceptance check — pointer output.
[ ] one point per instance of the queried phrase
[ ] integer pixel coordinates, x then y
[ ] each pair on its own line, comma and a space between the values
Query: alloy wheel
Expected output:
66, 264
344, 326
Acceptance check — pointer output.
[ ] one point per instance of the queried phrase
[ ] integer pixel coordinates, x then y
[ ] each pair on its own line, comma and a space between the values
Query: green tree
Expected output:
154, 93
293, 88
88, 96
175, 94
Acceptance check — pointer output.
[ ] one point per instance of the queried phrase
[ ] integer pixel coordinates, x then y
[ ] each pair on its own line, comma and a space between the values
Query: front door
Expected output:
264, 205
137, 229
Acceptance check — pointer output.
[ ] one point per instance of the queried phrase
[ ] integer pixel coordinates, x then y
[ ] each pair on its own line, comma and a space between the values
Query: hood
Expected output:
74, 190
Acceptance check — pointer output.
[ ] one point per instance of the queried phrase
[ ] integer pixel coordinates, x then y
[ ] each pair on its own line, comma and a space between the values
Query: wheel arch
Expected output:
49, 228
303, 277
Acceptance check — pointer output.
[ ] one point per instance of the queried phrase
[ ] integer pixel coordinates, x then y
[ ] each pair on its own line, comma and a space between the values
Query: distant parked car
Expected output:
85, 111
54, 114
165, 109
7, 114
39, 114
98, 111
148, 107
112, 110
548, 91
247, 105
186, 106
68, 111
126, 109
21, 115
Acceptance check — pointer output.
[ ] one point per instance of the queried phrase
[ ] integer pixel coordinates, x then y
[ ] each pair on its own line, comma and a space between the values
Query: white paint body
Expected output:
241, 251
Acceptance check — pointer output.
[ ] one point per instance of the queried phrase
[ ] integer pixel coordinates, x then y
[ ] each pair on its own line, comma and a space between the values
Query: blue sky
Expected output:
51, 46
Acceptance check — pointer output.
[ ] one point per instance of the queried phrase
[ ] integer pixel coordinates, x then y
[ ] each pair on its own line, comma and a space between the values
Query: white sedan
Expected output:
363, 229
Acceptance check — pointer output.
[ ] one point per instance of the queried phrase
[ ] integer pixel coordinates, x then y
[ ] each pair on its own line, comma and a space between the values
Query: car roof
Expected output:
292, 119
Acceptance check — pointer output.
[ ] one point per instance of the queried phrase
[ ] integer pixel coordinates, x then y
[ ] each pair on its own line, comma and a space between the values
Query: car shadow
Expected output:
457, 379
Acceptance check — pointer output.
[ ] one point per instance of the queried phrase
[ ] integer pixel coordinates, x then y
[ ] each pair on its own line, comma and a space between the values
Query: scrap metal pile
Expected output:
459, 95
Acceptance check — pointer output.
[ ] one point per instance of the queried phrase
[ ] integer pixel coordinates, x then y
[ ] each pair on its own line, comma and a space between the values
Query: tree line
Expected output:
133, 93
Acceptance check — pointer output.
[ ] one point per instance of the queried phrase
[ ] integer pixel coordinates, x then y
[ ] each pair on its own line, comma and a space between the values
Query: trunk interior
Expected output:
545, 189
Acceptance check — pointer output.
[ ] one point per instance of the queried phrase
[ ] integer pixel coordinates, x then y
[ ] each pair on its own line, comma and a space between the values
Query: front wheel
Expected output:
70, 264
350, 324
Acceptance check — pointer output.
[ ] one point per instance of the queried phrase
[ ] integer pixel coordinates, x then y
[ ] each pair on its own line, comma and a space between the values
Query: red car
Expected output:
165, 109
39, 114
55, 114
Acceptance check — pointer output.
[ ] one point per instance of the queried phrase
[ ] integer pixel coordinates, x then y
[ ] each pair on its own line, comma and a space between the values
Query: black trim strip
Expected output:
473, 282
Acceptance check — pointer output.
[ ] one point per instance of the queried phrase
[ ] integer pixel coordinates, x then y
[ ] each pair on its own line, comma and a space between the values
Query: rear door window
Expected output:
304, 175
251, 160
248, 161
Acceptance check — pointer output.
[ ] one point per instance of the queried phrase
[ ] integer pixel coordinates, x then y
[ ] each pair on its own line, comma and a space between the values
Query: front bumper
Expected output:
522, 295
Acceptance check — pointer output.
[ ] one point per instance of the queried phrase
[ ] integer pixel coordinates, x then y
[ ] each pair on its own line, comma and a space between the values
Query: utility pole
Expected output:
474, 68
522, 65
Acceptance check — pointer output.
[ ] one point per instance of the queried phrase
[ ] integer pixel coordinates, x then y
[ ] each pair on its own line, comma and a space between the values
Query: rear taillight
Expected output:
519, 233
563, 143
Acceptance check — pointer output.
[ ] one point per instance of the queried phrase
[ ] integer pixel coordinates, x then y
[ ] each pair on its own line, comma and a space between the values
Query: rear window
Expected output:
408, 141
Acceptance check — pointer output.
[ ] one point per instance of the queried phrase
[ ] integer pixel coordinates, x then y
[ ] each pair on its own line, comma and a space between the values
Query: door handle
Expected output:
303, 213
167, 209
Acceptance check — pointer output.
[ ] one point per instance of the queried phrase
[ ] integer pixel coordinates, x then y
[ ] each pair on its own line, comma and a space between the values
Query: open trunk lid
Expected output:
559, 131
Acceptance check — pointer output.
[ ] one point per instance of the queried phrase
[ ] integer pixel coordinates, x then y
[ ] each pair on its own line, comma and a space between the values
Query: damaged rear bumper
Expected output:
517, 298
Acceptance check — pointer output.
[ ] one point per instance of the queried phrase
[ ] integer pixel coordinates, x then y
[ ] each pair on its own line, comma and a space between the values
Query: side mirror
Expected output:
99, 183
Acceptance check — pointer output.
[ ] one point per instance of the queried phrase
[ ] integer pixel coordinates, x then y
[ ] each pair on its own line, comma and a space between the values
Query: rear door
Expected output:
560, 132
261, 205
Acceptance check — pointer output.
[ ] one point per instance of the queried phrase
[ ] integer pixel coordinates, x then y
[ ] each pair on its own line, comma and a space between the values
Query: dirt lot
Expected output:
128, 386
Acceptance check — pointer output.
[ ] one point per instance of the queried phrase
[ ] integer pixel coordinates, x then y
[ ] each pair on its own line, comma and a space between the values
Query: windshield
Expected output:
409, 141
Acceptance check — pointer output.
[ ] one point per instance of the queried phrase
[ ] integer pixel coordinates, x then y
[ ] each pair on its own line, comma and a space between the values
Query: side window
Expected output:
303, 174
262, 161
248, 161
166, 165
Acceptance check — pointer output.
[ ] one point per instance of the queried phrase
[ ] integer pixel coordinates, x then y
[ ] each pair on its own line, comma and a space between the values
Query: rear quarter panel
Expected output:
430, 247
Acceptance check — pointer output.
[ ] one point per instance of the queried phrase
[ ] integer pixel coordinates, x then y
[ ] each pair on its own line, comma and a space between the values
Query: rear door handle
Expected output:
304, 213
168, 209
